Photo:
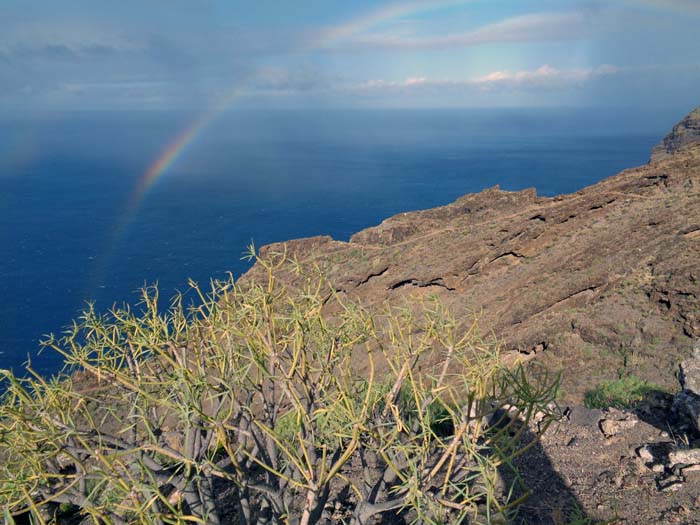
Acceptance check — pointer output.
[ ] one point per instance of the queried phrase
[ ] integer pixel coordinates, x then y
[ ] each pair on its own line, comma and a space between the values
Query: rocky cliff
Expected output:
601, 282
687, 131
589, 283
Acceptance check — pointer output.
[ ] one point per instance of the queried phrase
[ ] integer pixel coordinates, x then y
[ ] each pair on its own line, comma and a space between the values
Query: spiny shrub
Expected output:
259, 400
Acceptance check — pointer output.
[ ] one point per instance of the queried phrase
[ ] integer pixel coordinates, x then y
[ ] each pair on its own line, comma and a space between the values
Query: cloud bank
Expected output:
160, 55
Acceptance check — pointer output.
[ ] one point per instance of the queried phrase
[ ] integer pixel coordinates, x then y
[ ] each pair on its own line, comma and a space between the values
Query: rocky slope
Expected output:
602, 281
591, 282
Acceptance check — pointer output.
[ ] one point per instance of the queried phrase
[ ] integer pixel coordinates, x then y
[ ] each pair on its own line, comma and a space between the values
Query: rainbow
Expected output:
155, 171
325, 38
166, 159
174, 150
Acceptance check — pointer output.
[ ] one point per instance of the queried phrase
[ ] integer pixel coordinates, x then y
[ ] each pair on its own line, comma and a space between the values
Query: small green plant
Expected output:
627, 357
625, 392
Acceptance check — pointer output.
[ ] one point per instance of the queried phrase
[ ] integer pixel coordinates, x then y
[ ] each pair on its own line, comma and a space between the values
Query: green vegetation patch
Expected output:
625, 392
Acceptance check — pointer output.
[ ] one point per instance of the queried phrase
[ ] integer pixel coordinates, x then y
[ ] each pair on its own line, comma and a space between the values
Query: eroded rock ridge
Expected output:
592, 282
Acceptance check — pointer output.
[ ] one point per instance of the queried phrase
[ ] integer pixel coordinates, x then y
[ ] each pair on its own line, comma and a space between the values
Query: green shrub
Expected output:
625, 392
260, 392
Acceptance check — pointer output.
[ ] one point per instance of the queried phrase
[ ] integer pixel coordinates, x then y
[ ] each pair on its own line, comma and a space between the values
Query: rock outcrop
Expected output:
686, 403
687, 131
589, 283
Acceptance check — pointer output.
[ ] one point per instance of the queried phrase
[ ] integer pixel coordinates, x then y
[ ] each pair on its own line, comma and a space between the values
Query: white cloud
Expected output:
409, 82
413, 81
545, 75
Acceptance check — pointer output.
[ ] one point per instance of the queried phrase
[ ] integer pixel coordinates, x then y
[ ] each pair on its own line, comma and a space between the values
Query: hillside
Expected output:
601, 283
589, 282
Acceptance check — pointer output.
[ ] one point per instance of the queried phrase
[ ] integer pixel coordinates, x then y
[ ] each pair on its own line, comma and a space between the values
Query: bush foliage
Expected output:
256, 405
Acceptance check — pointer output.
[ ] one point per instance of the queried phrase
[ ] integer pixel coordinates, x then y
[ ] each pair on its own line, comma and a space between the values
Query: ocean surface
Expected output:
79, 222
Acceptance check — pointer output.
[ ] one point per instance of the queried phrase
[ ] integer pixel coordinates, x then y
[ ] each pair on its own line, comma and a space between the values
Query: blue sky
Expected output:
199, 54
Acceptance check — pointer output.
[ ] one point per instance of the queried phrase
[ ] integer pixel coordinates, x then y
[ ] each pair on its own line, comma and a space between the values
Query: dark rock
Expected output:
686, 408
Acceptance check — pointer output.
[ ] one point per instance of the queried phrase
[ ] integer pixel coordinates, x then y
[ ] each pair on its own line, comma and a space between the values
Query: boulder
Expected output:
689, 373
685, 457
686, 403
686, 409
617, 421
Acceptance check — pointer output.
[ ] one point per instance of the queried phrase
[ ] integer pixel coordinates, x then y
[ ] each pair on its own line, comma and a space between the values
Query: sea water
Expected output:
79, 221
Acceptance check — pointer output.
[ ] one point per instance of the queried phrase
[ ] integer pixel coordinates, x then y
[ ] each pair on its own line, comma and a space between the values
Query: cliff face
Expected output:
687, 131
604, 278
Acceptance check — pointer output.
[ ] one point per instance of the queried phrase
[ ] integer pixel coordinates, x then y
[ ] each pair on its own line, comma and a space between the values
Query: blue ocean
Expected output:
77, 223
